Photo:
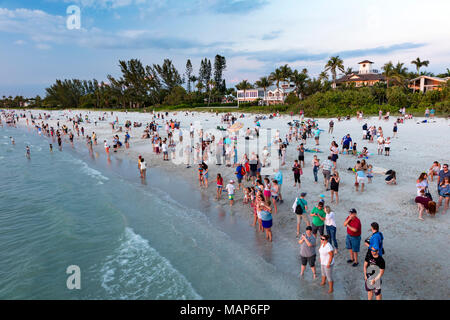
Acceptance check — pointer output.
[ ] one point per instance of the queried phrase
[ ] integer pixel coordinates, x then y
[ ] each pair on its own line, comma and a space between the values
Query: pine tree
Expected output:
188, 74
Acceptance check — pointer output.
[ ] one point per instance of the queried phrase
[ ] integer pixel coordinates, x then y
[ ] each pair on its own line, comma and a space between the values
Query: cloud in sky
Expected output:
254, 35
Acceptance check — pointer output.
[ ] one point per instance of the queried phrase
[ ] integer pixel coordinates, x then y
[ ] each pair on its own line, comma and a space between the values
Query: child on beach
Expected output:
370, 173
267, 188
143, 167
247, 192
387, 146
230, 189
274, 190
219, 181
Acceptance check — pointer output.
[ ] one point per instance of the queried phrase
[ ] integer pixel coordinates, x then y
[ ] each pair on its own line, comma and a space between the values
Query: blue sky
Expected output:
255, 36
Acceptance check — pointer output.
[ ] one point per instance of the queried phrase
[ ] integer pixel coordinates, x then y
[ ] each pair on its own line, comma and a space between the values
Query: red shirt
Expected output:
355, 223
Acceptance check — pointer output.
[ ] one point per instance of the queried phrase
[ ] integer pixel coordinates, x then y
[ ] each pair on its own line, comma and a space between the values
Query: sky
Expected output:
256, 36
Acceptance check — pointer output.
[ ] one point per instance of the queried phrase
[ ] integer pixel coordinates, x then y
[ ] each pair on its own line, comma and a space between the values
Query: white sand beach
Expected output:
416, 251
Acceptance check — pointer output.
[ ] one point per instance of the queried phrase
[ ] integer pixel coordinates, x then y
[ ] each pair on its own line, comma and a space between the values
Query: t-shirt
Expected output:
230, 188
324, 251
303, 203
279, 177
143, 165
317, 133
347, 140
239, 171
253, 165
327, 165
361, 173
442, 175
329, 219
423, 200
371, 260
355, 223
305, 250
316, 220
376, 240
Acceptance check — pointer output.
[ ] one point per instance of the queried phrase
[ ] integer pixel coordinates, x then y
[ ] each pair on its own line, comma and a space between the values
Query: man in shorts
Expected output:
308, 251
318, 217
353, 239
374, 266
300, 207
326, 170
346, 143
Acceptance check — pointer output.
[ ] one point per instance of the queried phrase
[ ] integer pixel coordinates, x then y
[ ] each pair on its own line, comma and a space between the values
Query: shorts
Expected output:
219, 187
239, 180
275, 198
231, 197
205, 175
334, 157
346, 146
311, 260
267, 194
352, 243
301, 158
327, 272
315, 228
300, 216
387, 148
326, 174
266, 224
377, 292
252, 173
361, 179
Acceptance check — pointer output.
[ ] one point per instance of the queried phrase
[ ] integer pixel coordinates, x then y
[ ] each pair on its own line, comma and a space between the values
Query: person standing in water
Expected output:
143, 168
28, 154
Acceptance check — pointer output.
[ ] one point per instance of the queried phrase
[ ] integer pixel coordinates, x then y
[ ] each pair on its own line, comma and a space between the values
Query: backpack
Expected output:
243, 171
298, 207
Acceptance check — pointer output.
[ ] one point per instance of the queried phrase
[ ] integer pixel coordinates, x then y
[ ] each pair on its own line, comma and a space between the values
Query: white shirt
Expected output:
143, 165
324, 254
329, 219
230, 188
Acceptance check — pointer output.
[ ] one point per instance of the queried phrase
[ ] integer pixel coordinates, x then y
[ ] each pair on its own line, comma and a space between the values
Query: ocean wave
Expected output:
138, 271
90, 171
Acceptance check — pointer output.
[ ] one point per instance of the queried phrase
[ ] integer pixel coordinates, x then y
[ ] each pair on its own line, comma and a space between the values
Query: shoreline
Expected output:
285, 226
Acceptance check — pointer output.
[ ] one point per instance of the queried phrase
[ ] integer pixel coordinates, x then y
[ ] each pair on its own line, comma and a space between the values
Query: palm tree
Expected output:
388, 72
420, 63
277, 76
299, 80
400, 74
349, 71
286, 71
244, 85
264, 82
333, 64
323, 76
199, 86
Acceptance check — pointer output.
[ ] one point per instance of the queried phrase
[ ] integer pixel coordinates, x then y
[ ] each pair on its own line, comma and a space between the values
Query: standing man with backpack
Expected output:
300, 207
240, 173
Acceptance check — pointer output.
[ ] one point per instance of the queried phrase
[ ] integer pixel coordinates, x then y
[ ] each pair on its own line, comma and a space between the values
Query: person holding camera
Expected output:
374, 266
308, 251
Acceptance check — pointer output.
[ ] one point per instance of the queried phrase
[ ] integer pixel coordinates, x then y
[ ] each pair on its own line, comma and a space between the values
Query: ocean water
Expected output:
130, 240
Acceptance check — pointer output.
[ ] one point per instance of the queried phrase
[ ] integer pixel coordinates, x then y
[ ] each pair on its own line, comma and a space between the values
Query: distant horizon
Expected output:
42, 47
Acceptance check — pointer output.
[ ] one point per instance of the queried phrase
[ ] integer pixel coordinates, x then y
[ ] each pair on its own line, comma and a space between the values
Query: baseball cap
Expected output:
303, 194
353, 210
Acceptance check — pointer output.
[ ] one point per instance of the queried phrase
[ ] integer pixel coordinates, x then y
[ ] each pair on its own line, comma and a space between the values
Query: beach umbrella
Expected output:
236, 127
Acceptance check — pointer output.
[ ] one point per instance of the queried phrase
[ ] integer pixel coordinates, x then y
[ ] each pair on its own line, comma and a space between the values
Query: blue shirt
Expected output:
376, 240
239, 172
279, 177
347, 140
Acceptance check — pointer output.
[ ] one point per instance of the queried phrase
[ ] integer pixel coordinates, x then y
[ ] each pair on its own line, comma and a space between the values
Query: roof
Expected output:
361, 77
365, 61
432, 78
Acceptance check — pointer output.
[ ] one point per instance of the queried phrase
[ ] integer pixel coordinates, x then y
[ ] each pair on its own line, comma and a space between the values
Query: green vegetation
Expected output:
160, 87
